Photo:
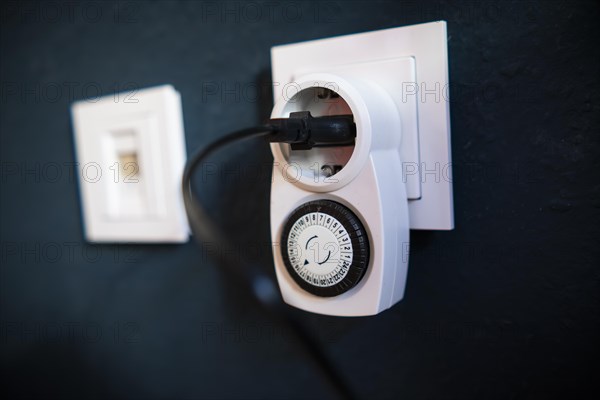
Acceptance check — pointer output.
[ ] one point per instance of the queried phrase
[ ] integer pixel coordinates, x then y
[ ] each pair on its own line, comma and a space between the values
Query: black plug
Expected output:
303, 131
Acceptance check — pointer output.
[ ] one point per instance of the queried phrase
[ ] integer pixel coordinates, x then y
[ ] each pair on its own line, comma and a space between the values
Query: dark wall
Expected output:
505, 306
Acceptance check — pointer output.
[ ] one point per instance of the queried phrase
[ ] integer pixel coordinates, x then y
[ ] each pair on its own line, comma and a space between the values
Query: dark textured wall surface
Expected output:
506, 306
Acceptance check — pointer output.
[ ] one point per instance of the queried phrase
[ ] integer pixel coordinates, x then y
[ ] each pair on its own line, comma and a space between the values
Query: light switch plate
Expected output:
411, 63
130, 157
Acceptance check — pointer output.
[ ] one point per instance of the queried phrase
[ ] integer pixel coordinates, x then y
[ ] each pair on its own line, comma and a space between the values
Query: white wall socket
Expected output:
411, 63
131, 154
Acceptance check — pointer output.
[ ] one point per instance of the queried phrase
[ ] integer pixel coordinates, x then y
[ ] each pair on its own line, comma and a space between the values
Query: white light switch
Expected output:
131, 155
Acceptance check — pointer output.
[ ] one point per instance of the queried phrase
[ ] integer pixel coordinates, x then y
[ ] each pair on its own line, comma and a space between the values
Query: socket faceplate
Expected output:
411, 63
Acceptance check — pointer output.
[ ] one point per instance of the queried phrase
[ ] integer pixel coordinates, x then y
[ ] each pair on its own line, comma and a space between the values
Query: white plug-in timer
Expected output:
340, 216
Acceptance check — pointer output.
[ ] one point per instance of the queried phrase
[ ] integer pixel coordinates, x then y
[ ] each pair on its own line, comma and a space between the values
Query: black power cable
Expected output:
302, 131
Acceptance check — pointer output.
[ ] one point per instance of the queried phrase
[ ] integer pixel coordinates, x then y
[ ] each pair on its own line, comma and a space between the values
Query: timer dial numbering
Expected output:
325, 248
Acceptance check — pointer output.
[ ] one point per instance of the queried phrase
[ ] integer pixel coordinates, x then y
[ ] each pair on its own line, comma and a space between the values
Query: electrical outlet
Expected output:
131, 155
411, 64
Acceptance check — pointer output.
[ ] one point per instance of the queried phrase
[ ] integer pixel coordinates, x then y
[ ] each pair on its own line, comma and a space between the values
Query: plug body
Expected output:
303, 131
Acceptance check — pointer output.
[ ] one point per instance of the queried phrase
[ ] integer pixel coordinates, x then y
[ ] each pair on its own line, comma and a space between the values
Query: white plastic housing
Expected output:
131, 155
368, 184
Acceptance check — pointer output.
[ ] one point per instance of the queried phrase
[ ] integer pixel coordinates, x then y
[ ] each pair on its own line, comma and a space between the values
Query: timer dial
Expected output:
325, 248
